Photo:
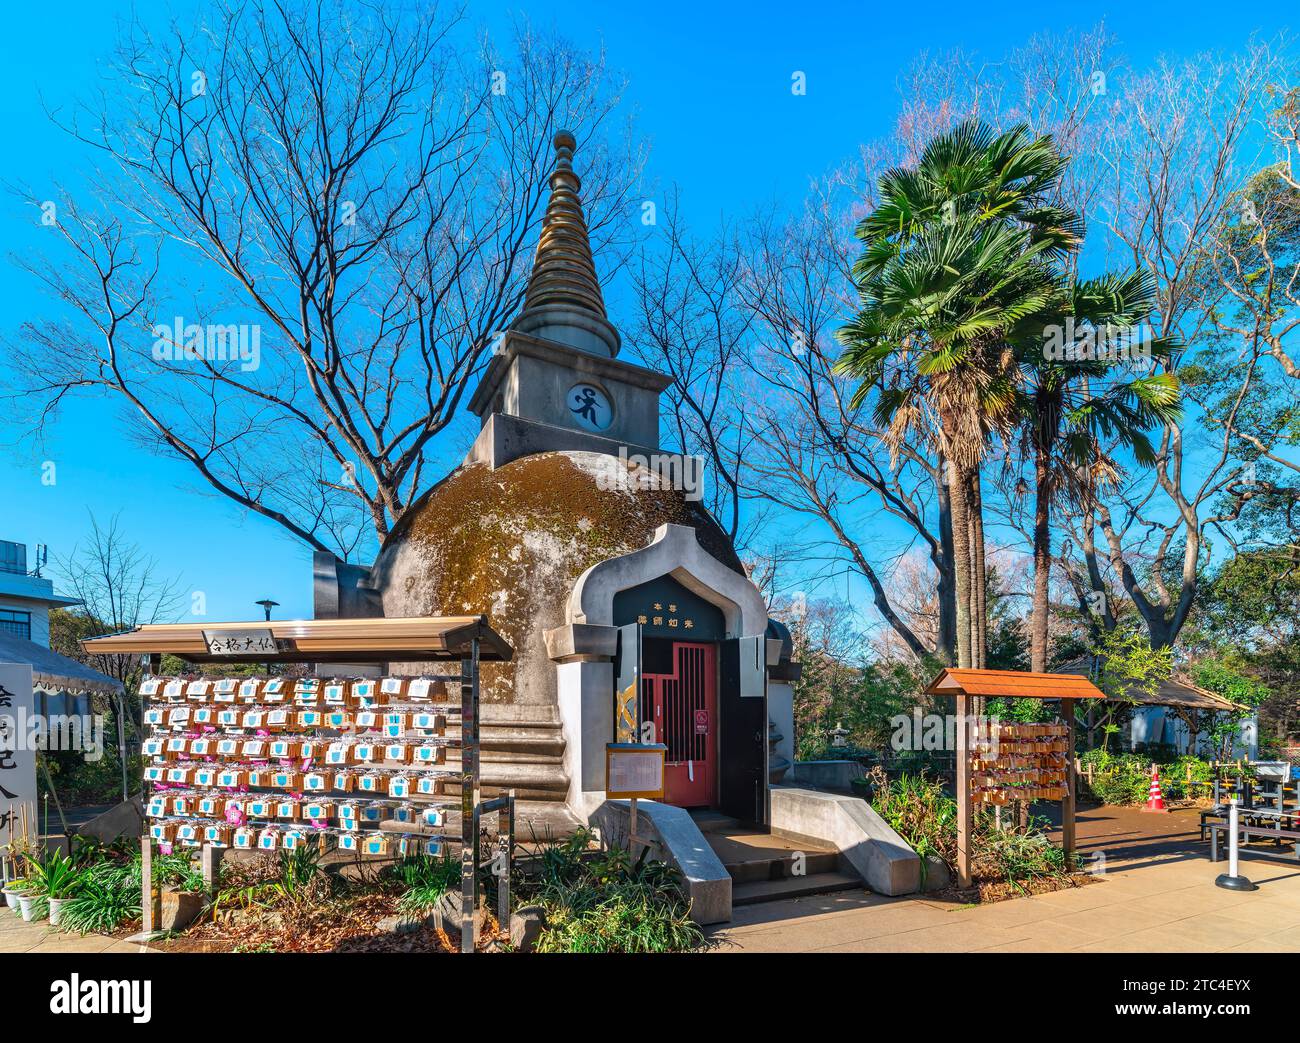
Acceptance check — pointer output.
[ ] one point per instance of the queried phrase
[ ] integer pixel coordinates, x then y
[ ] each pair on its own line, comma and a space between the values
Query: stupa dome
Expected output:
510, 543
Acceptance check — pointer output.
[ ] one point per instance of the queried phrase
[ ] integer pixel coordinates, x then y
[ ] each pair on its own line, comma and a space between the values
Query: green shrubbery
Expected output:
425, 879
1125, 778
80, 781
608, 902
100, 883
918, 810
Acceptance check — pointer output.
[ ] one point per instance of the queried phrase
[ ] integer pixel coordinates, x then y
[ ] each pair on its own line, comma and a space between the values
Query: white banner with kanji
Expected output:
17, 758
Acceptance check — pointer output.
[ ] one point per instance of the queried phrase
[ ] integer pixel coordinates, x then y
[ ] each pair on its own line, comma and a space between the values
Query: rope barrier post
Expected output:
1232, 880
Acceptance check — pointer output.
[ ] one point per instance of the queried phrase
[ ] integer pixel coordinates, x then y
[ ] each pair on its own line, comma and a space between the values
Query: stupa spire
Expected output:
563, 302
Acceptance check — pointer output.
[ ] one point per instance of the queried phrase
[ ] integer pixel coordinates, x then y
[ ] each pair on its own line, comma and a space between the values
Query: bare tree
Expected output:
119, 587
1175, 143
689, 323
1256, 263
813, 453
317, 218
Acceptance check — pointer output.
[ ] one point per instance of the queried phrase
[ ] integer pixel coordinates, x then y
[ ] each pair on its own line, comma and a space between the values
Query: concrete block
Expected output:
125, 820
830, 774
526, 927
937, 874
581, 639
883, 859
673, 837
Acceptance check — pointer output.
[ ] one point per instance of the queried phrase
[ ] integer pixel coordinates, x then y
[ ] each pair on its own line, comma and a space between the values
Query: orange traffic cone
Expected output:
1156, 799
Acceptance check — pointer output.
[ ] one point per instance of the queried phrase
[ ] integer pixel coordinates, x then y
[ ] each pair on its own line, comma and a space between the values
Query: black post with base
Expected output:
1232, 880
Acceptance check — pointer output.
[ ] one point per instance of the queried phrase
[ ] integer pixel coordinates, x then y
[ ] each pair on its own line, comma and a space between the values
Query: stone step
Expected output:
513, 738
537, 821
541, 715
497, 756
793, 887
522, 748
774, 868
707, 821
532, 745
529, 780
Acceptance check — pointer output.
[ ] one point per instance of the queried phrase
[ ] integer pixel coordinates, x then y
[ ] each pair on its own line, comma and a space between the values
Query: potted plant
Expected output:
32, 905
53, 880
13, 890
19, 853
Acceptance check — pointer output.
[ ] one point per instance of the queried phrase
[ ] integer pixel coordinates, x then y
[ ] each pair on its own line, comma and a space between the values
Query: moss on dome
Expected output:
511, 543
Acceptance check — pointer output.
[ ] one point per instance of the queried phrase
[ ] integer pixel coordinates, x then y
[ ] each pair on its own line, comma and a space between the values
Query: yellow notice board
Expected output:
634, 769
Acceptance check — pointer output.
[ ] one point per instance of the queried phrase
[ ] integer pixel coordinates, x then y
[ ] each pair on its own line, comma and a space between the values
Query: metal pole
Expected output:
505, 843
121, 746
469, 793
146, 882
1232, 880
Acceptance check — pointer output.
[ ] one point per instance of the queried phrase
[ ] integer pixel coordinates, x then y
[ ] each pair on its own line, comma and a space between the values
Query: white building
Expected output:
26, 596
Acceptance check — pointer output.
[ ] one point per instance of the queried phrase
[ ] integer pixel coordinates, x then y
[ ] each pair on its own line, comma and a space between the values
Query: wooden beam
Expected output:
412, 639
963, 791
147, 925
1016, 684
1068, 804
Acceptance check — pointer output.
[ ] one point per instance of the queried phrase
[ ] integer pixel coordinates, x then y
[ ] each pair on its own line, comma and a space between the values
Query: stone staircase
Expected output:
767, 868
522, 749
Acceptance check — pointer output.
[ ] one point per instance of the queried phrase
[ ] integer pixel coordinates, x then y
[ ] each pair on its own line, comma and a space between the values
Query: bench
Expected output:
1249, 831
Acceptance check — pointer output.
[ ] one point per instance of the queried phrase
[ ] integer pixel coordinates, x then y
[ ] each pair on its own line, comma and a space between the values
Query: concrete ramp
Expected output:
884, 860
673, 837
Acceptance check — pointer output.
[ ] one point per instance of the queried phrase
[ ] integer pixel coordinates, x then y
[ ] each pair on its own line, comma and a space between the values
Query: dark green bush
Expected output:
425, 879
607, 901
1125, 778
918, 810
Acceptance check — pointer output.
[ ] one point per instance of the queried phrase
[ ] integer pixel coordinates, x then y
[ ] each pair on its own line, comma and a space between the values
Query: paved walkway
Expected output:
17, 936
1156, 894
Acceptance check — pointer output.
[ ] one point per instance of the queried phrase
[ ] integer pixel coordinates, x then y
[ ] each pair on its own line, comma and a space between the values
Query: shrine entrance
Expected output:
690, 669
681, 709
678, 637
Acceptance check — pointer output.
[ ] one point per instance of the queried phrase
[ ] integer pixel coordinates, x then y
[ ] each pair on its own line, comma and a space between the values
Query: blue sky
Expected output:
711, 87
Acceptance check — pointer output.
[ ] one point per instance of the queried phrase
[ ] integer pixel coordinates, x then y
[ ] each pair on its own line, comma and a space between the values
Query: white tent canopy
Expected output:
52, 672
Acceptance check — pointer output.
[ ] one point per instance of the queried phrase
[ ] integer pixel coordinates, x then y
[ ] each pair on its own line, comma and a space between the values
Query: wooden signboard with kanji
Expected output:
1000, 763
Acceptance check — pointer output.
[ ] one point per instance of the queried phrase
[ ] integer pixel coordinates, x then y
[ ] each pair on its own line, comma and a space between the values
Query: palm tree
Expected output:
1075, 403
960, 256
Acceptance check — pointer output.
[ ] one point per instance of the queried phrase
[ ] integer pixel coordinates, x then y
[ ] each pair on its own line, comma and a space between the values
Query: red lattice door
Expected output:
683, 706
